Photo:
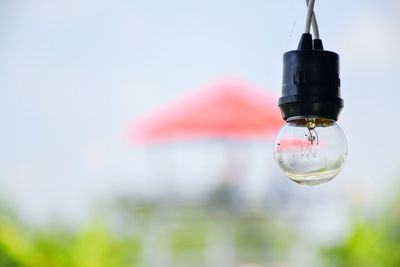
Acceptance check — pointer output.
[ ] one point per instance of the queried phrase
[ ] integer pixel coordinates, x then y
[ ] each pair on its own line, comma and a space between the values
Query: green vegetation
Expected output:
372, 242
134, 234
93, 246
131, 231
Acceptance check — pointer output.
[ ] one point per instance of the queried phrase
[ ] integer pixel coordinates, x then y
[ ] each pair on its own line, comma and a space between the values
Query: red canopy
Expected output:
228, 109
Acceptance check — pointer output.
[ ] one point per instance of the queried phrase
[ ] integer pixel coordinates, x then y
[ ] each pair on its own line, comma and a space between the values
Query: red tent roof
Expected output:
228, 109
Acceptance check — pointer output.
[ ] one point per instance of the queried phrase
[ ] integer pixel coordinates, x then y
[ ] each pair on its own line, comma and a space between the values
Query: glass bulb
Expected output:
310, 151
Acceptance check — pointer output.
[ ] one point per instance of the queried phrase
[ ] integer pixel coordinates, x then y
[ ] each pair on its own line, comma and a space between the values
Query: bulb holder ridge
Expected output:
311, 82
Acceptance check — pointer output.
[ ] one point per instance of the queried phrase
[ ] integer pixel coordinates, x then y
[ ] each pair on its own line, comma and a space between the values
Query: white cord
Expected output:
310, 12
314, 23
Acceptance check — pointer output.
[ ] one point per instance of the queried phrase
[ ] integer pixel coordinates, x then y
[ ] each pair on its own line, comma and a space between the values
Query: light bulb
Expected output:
310, 150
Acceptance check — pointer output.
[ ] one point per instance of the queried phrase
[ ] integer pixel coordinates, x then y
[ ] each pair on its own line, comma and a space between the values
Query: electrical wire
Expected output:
310, 13
314, 23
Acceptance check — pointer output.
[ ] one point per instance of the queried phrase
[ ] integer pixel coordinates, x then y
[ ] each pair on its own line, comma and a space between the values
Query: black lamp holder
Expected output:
311, 83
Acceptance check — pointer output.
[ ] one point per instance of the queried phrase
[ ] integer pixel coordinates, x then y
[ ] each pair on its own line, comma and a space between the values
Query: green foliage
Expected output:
188, 237
371, 243
185, 236
257, 240
93, 246
7, 260
253, 234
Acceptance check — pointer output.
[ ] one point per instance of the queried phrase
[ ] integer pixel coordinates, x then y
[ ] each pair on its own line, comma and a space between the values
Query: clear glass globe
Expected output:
310, 151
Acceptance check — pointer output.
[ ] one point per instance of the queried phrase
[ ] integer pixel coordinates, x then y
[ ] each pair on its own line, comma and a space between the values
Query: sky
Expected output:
74, 74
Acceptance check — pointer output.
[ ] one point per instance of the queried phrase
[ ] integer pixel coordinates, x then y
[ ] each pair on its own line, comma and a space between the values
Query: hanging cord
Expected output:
311, 19
310, 12
314, 22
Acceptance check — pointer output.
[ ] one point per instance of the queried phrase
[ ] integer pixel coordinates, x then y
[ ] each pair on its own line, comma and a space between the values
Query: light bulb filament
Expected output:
312, 136
312, 133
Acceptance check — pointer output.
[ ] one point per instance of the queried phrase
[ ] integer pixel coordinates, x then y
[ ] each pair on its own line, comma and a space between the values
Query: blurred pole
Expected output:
220, 249
155, 248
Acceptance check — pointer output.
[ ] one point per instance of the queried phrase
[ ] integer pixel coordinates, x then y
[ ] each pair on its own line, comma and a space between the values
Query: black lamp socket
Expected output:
311, 83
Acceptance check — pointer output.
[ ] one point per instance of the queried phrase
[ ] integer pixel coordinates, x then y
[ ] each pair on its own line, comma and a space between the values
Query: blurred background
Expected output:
139, 133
